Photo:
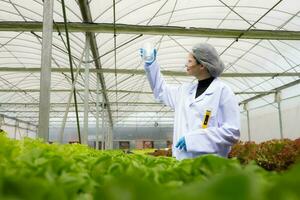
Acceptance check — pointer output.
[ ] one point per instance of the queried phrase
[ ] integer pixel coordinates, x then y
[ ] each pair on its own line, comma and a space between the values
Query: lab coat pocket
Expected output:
204, 118
207, 118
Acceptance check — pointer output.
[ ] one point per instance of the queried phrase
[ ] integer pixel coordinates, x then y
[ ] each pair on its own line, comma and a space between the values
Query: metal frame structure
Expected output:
87, 18
259, 57
43, 130
141, 72
91, 27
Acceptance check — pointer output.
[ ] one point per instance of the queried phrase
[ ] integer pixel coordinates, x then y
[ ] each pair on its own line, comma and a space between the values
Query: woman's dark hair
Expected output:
198, 63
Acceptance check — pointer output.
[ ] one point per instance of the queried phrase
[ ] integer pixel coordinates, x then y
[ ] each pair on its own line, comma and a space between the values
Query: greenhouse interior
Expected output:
84, 115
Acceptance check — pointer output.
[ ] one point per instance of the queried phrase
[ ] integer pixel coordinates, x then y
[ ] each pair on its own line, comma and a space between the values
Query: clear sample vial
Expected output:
148, 54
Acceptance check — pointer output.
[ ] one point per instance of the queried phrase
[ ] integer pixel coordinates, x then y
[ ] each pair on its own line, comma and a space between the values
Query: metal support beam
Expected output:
60, 104
113, 91
108, 137
146, 117
248, 121
103, 127
248, 125
15, 131
1, 120
86, 92
82, 111
87, 18
27, 129
255, 92
97, 114
77, 90
88, 26
93, 122
45, 80
278, 101
142, 72
71, 65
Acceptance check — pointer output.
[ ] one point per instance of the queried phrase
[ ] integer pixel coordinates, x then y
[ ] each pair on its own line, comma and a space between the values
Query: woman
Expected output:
206, 113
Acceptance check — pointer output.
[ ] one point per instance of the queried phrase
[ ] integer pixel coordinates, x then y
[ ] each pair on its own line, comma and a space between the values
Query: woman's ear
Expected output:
202, 66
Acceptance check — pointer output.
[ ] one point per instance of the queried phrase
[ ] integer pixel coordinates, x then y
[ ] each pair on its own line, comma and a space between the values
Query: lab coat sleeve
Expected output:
214, 139
162, 92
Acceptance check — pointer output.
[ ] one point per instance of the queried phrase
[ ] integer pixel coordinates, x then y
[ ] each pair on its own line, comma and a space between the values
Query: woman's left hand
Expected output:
181, 145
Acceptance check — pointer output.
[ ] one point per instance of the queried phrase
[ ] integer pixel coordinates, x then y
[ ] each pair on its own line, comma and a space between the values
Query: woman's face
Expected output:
192, 68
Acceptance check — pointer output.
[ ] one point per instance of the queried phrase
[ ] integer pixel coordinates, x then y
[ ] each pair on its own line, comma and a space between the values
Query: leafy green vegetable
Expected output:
31, 169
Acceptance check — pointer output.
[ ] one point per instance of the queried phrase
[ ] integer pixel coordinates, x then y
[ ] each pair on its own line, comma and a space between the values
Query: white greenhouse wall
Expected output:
264, 121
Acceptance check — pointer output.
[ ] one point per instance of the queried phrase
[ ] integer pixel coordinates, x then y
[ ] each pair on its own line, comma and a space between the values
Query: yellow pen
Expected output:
206, 118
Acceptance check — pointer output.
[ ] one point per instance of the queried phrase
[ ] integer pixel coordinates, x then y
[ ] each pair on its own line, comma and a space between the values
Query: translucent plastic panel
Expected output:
290, 115
16, 10
264, 124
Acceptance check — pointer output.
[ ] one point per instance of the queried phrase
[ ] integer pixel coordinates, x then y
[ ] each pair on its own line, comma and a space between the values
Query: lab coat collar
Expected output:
192, 88
210, 90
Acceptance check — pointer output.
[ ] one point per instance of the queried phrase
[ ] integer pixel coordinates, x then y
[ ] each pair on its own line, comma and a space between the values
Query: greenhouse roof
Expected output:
257, 40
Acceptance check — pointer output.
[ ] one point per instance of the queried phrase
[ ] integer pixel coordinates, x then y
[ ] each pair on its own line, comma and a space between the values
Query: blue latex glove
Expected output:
181, 145
148, 62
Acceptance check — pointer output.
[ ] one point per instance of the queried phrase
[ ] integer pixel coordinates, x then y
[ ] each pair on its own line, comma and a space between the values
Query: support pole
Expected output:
27, 129
107, 143
110, 136
104, 130
86, 92
45, 80
15, 131
1, 120
97, 114
278, 101
248, 120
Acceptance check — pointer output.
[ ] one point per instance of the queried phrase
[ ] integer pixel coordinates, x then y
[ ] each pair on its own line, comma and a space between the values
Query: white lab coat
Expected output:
224, 123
